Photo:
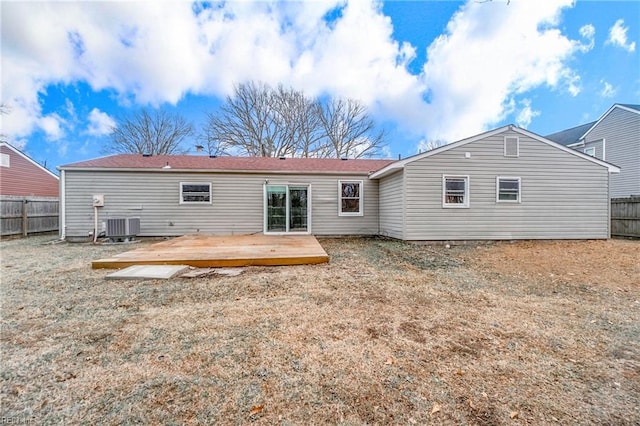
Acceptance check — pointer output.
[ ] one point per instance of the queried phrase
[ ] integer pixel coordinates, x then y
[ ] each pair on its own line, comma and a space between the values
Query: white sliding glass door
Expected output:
286, 208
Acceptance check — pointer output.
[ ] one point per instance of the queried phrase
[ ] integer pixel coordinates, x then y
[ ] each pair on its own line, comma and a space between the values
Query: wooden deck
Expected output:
206, 251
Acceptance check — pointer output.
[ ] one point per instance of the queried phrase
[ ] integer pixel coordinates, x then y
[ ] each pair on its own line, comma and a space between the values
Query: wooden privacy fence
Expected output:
28, 215
625, 217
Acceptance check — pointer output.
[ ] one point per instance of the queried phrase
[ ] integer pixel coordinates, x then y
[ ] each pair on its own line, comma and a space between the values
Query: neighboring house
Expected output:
615, 138
504, 184
21, 176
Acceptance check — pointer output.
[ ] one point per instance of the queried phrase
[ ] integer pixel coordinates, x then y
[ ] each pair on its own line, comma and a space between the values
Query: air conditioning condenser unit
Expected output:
122, 228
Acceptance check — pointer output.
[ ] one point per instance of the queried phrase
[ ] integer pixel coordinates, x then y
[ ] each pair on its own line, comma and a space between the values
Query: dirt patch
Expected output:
614, 264
387, 332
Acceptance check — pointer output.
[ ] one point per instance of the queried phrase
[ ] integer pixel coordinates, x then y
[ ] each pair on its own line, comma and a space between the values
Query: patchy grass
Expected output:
388, 332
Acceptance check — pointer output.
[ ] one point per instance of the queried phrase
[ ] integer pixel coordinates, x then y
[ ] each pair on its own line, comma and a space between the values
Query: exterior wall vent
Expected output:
122, 228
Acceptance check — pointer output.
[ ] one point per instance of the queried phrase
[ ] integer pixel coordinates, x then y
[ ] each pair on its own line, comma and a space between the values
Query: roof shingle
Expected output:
570, 136
253, 164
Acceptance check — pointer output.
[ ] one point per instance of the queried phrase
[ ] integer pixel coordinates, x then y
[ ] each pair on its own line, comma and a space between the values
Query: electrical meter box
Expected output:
98, 200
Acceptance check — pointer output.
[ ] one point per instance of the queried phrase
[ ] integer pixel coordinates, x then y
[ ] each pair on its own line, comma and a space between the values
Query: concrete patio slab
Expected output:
148, 272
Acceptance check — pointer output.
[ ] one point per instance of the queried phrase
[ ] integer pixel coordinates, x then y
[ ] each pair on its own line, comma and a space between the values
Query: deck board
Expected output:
216, 251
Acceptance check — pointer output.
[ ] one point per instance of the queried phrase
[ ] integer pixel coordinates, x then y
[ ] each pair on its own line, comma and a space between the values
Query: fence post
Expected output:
25, 218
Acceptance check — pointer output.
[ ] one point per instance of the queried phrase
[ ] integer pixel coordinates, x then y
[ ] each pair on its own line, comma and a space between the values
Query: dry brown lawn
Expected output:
386, 333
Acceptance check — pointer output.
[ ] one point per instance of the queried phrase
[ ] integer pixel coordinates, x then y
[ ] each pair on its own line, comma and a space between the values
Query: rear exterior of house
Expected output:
615, 138
20, 176
177, 195
504, 184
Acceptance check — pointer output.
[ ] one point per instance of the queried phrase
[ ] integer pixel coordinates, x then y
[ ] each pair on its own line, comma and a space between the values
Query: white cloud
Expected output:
588, 32
526, 114
156, 52
490, 54
152, 53
618, 36
607, 91
70, 108
100, 123
51, 125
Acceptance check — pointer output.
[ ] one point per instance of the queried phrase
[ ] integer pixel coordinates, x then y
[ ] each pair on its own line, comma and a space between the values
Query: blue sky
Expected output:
427, 70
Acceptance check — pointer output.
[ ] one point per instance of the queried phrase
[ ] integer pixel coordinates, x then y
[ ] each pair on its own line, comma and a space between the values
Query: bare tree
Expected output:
258, 120
246, 124
430, 144
301, 123
4, 110
155, 133
349, 130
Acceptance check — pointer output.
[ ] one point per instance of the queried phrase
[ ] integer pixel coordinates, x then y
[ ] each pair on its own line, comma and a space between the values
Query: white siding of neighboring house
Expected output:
620, 130
392, 205
563, 196
237, 202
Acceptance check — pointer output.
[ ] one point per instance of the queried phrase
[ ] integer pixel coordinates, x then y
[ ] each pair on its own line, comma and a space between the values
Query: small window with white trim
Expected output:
590, 151
455, 191
350, 198
195, 193
507, 189
511, 146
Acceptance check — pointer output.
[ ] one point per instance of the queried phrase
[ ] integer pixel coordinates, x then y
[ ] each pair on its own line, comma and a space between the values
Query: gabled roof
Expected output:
570, 136
27, 158
398, 165
575, 135
631, 106
229, 164
626, 107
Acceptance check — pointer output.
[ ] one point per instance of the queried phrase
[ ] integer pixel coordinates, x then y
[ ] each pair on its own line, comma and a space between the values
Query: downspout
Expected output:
95, 224
63, 205
378, 212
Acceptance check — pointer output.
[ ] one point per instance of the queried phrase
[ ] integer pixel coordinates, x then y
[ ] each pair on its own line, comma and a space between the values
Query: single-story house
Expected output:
503, 184
615, 138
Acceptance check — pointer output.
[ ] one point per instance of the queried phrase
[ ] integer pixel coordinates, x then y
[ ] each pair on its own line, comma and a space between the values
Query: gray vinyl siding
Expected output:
563, 196
236, 208
620, 130
392, 205
599, 148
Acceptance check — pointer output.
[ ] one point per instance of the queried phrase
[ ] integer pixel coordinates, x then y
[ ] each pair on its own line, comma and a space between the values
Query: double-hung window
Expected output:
455, 191
195, 193
350, 198
507, 189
